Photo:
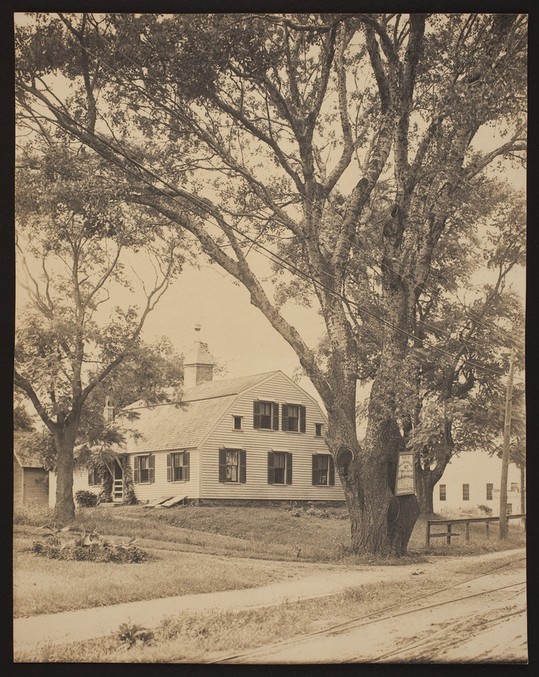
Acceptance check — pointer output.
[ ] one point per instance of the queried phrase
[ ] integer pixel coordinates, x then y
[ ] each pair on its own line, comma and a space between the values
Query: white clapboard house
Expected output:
253, 438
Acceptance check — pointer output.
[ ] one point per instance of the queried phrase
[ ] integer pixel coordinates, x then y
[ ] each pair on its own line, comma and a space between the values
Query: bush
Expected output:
91, 547
133, 635
86, 499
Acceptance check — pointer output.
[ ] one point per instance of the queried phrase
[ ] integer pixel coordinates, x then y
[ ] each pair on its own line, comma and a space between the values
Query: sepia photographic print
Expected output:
269, 379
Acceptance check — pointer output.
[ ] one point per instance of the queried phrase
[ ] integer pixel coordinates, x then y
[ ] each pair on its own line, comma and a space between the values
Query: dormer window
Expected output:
265, 415
293, 418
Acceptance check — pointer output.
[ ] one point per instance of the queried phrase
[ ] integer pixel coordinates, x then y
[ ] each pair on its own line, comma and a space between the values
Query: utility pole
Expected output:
506, 446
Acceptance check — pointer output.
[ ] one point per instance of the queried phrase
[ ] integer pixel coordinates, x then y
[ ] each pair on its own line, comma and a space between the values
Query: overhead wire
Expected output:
416, 284
271, 255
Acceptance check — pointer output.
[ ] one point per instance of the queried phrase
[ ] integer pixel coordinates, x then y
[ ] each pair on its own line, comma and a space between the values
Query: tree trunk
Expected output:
64, 510
426, 480
381, 523
425, 489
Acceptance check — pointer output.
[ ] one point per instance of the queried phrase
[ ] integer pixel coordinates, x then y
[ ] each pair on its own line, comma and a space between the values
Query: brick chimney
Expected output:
198, 363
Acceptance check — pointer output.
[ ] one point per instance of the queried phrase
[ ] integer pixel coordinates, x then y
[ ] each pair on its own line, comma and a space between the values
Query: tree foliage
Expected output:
74, 225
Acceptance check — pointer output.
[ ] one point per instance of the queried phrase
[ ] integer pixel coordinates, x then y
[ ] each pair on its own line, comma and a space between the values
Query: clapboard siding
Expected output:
257, 444
161, 486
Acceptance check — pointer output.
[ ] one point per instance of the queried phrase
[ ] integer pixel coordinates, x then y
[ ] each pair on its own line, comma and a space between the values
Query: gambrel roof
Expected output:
185, 425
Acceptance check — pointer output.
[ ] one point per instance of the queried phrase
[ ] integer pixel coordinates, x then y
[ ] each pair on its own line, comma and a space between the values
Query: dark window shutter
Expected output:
136, 474
256, 414
301, 418
186, 469
275, 416
331, 472
243, 466
169, 467
90, 478
285, 417
151, 468
271, 468
315, 469
222, 465
289, 468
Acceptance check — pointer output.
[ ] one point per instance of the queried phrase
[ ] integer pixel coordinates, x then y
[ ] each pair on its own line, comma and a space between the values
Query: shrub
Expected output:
133, 635
86, 499
87, 547
485, 509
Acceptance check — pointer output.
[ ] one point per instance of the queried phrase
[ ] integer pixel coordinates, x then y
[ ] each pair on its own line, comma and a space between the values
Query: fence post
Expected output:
427, 535
487, 525
467, 530
449, 534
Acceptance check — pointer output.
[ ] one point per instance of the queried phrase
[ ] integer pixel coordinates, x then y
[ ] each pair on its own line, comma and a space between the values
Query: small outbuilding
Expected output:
30, 481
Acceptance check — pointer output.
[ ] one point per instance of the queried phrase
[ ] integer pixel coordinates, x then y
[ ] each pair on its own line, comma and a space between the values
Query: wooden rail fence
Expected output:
448, 534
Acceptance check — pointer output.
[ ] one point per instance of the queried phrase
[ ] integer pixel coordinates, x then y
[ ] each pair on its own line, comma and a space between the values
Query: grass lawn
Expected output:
203, 637
201, 549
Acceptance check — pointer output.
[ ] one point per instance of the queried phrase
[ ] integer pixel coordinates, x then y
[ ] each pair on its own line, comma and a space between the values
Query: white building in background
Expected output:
472, 480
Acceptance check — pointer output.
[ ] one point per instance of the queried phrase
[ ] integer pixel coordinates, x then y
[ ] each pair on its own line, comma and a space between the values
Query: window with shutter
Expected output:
94, 477
279, 467
323, 470
264, 416
144, 469
178, 467
232, 465
294, 418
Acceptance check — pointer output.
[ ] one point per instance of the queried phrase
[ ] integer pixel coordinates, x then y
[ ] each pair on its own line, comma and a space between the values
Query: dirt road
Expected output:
481, 620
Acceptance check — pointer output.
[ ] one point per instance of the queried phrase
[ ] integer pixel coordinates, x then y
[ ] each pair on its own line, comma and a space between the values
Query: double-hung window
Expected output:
265, 415
293, 417
323, 470
465, 492
490, 488
232, 466
144, 469
94, 477
279, 467
178, 466
443, 492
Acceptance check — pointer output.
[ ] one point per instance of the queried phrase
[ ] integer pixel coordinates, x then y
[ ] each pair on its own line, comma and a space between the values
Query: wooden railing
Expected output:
448, 534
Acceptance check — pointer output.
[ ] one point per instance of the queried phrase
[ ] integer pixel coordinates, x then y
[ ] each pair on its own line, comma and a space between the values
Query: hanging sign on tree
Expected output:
405, 482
